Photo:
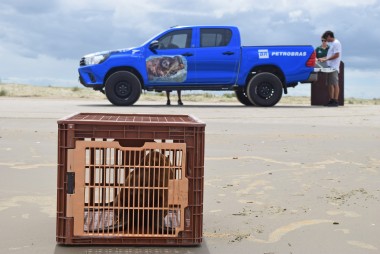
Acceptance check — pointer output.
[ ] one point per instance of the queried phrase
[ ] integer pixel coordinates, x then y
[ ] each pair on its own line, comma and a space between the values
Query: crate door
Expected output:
127, 191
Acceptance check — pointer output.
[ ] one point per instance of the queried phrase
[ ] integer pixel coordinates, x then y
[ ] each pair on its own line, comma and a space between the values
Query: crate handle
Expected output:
70, 182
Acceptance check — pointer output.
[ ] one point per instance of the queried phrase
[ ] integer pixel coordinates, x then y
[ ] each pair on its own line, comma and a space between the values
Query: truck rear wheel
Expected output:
264, 89
243, 98
123, 88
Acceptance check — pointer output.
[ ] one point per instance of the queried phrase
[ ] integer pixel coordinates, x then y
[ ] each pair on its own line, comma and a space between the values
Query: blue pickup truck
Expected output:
199, 58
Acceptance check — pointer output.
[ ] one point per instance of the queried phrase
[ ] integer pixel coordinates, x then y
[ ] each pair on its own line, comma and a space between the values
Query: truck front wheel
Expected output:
123, 88
264, 89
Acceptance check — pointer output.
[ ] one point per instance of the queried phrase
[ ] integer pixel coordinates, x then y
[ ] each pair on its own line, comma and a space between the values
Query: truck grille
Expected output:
82, 62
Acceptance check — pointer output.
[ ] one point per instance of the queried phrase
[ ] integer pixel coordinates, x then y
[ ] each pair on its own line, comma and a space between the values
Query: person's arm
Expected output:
336, 55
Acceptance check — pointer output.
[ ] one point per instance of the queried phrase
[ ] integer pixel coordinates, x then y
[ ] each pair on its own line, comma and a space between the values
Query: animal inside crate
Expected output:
127, 191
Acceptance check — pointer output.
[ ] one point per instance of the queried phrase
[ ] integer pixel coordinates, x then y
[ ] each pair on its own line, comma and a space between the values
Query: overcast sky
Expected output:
41, 41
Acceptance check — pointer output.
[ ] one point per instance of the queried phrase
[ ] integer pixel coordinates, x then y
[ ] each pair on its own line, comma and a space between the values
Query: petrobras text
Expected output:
288, 53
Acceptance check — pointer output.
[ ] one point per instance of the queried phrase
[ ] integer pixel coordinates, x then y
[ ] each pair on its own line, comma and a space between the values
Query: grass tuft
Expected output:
3, 92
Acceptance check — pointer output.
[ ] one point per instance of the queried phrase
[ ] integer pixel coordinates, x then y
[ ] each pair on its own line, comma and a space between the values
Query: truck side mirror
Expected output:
153, 46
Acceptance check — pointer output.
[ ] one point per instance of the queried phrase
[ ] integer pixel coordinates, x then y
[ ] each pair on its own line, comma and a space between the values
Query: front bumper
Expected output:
91, 76
81, 80
97, 87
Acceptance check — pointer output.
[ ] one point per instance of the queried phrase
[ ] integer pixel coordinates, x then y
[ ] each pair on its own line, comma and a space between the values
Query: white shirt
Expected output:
335, 47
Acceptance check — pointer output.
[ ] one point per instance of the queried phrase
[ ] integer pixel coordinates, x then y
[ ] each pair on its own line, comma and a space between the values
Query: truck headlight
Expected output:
95, 58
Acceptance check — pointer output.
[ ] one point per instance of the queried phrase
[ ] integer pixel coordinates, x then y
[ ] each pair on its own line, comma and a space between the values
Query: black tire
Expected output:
123, 88
243, 98
264, 89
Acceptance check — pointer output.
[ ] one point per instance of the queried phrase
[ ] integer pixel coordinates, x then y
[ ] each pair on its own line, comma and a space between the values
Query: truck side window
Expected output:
215, 37
176, 40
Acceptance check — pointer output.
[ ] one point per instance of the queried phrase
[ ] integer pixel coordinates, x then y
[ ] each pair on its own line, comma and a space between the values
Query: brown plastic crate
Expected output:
319, 89
130, 179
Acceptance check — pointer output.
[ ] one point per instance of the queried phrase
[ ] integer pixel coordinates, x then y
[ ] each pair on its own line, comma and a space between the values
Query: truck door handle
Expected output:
187, 54
228, 53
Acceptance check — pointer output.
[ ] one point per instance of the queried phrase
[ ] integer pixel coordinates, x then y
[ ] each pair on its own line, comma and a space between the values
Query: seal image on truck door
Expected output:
166, 68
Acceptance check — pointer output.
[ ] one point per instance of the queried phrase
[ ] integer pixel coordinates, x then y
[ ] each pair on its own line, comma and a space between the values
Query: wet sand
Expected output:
287, 179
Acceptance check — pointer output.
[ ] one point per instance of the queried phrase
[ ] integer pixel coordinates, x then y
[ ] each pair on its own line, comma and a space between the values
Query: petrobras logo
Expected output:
288, 53
263, 53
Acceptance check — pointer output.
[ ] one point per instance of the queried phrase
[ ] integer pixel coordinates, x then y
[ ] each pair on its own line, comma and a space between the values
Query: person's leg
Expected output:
168, 97
179, 97
331, 91
336, 92
333, 88
335, 84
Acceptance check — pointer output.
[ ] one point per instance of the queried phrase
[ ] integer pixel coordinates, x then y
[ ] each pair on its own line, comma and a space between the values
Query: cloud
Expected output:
28, 7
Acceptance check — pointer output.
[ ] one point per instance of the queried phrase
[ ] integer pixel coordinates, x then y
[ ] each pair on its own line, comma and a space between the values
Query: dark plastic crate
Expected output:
319, 89
130, 179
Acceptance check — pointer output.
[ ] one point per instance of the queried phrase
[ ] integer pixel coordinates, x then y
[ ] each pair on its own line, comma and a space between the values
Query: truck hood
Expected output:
133, 50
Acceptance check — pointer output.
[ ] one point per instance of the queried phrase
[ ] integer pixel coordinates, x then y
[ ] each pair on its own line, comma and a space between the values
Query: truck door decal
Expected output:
166, 68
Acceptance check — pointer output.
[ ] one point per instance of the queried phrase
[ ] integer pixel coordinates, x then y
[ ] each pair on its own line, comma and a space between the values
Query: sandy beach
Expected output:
293, 178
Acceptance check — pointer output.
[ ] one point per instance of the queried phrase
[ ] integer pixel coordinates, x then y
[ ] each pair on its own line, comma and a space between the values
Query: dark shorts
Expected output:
333, 78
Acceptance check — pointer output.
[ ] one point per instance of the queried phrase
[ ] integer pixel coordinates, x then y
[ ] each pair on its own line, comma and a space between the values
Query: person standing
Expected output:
322, 50
332, 59
180, 103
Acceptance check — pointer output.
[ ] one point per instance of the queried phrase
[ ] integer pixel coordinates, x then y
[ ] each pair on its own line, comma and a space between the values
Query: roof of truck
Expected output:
203, 26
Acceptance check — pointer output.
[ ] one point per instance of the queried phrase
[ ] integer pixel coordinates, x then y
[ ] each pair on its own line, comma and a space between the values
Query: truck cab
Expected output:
209, 56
